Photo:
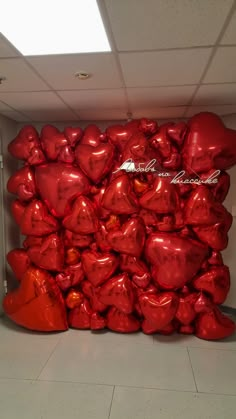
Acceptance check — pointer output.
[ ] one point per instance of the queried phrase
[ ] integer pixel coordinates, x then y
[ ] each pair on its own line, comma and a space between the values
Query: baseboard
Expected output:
229, 310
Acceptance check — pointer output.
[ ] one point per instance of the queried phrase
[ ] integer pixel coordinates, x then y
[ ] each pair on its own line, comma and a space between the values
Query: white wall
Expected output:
9, 235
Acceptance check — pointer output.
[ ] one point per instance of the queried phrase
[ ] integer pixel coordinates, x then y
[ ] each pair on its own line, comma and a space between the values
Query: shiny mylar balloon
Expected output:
209, 144
37, 304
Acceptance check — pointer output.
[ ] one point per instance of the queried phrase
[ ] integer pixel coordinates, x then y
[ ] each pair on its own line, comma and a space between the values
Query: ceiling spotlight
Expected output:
82, 75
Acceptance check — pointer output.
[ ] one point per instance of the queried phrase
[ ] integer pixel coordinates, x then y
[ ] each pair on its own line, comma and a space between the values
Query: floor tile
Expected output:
50, 400
107, 336
23, 354
133, 403
193, 342
214, 370
103, 362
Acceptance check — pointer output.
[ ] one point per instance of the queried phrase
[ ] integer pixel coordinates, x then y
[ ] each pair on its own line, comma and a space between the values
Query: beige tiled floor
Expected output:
80, 375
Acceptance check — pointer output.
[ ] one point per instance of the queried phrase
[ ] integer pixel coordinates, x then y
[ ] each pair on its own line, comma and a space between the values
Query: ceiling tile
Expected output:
164, 68
19, 76
222, 68
164, 112
220, 110
59, 70
160, 96
32, 100
16, 116
49, 115
7, 49
215, 94
87, 99
230, 33
103, 115
3, 106
152, 24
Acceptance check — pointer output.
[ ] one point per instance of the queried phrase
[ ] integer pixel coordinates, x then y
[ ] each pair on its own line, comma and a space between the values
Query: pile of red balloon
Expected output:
123, 228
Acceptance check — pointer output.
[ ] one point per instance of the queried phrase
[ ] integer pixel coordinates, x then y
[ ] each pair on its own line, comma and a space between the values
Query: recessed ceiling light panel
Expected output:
53, 27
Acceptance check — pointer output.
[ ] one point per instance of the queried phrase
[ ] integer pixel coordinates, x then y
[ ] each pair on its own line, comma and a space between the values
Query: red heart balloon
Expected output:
91, 136
138, 149
161, 141
186, 330
159, 309
215, 259
97, 322
37, 304
176, 259
80, 317
118, 292
130, 239
186, 313
74, 298
66, 154
53, 141
214, 325
162, 198
25, 141
82, 218
121, 322
71, 276
50, 254
119, 197
36, 221
215, 235
209, 144
216, 282
59, 184
95, 162
93, 295
17, 210
22, 183
203, 209
148, 126
73, 135
99, 267
119, 135
32, 241
177, 132
19, 262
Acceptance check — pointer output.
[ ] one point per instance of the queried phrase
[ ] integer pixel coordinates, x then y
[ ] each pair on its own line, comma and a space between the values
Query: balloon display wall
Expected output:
124, 228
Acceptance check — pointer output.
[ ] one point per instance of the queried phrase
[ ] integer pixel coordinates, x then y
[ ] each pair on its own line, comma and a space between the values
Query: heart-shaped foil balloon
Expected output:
19, 262
124, 227
37, 304
159, 309
130, 239
176, 259
59, 184
216, 282
118, 292
49, 254
95, 162
209, 144
82, 219
99, 267
22, 183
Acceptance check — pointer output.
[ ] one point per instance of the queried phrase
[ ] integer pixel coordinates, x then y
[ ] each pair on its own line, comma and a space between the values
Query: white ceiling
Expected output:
169, 59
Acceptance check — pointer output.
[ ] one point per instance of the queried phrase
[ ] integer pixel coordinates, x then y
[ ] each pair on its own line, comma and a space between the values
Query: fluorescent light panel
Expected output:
41, 27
